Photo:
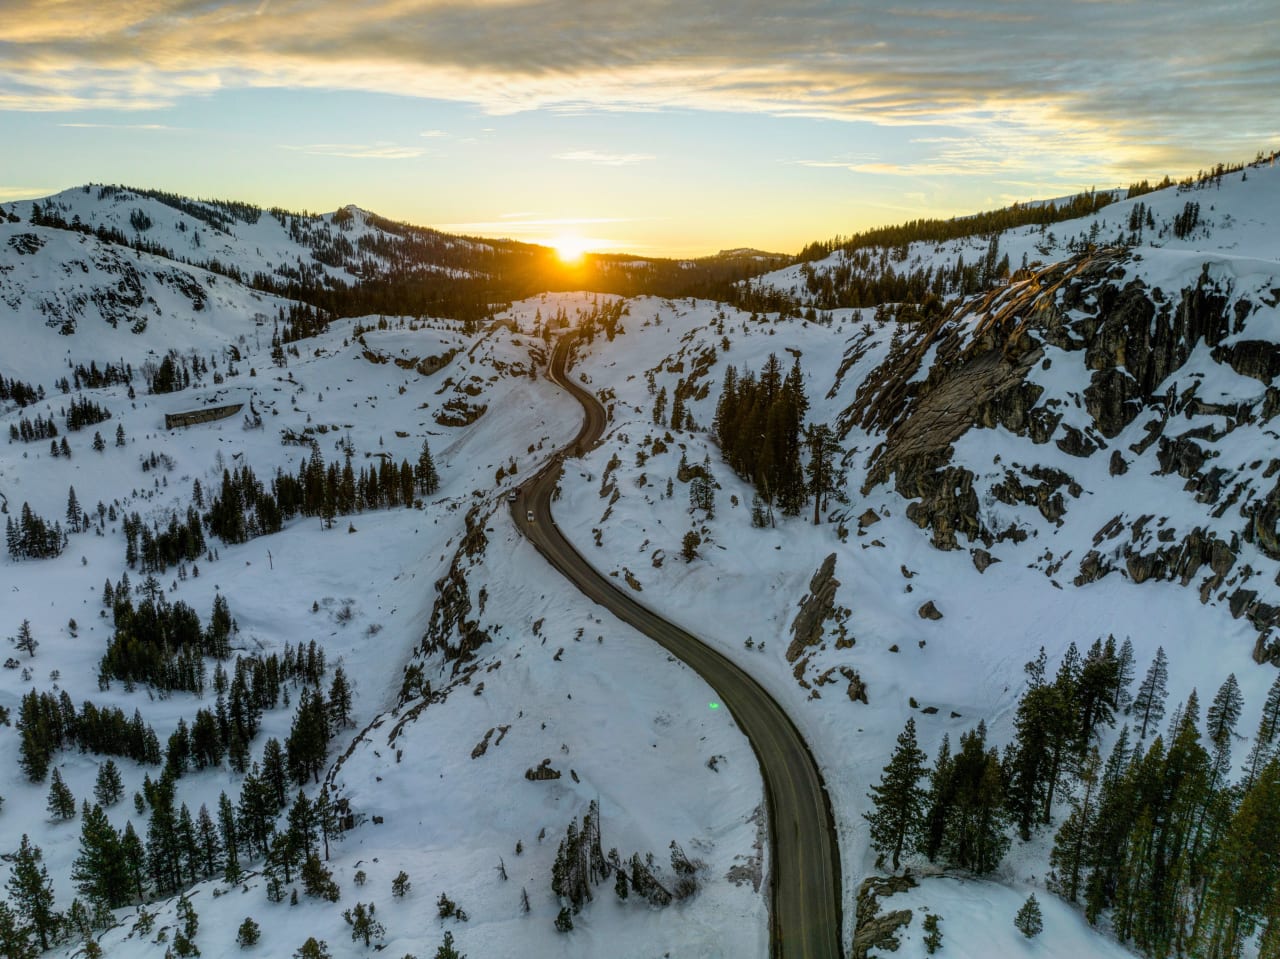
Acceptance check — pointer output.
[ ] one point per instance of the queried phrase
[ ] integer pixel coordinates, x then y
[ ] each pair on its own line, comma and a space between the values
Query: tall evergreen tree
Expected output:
100, 871
1124, 676
899, 800
26, 641
1029, 920
974, 836
427, 477
1265, 738
1071, 848
1148, 702
108, 788
134, 856
210, 843
824, 479
31, 891
1040, 722
1246, 875
1221, 720
940, 796
340, 699
61, 805
15, 935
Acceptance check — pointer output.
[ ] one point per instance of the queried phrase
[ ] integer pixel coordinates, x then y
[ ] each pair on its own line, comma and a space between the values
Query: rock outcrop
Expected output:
815, 609
873, 929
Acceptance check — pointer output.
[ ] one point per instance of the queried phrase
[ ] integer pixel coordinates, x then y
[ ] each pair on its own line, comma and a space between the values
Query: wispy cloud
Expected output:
522, 223
8, 193
434, 134
121, 126
1138, 87
605, 159
358, 151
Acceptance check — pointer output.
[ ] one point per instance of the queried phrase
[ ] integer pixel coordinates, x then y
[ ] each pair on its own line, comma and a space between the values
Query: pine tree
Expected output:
401, 885
274, 775
941, 794
248, 933
302, 830
15, 935
1071, 846
973, 836
1221, 720
824, 480
340, 699
1265, 738
31, 891
313, 948
317, 880
932, 933
1124, 676
1148, 702
100, 871
209, 843
1029, 921
230, 838
1040, 726
61, 805
447, 949
134, 857
1246, 876
899, 800
702, 495
164, 844
108, 788
427, 477
689, 546
364, 925
26, 642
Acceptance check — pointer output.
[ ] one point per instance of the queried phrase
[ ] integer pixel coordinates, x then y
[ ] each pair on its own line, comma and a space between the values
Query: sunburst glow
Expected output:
569, 248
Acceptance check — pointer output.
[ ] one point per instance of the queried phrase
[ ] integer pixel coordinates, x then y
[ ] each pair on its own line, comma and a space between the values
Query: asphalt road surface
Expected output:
804, 860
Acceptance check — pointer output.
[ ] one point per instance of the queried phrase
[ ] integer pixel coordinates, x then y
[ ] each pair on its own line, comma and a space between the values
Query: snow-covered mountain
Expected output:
1081, 449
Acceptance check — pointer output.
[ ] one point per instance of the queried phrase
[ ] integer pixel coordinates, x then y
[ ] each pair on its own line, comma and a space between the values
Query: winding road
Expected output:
804, 855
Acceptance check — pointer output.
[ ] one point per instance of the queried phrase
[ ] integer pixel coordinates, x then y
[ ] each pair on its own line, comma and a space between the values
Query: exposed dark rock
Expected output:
542, 772
1043, 495
947, 503
1113, 399
1118, 465
857, 689
1240, 601
1073, 442
1266, 650
815, 609
873, 930
1092, 568
929, 611
1255, 358
869, 518
1181, 561
1180, 455
982, 559
1263, 518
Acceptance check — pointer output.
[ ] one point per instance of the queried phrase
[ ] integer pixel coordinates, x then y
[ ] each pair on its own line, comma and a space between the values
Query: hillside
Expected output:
1048, 437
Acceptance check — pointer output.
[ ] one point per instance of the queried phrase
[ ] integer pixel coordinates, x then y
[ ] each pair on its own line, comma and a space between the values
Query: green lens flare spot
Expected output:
713, 705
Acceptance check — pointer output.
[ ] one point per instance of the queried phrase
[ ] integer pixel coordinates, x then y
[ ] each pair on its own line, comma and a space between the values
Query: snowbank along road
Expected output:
804, 858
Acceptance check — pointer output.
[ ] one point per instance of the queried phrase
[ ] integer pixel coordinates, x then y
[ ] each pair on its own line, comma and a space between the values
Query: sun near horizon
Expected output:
569, 248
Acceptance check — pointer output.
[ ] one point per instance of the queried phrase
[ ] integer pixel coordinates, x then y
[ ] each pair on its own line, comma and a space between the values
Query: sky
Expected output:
654, 126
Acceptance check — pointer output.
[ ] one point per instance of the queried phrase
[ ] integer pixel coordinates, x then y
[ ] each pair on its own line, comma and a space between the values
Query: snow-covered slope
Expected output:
1085, 452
